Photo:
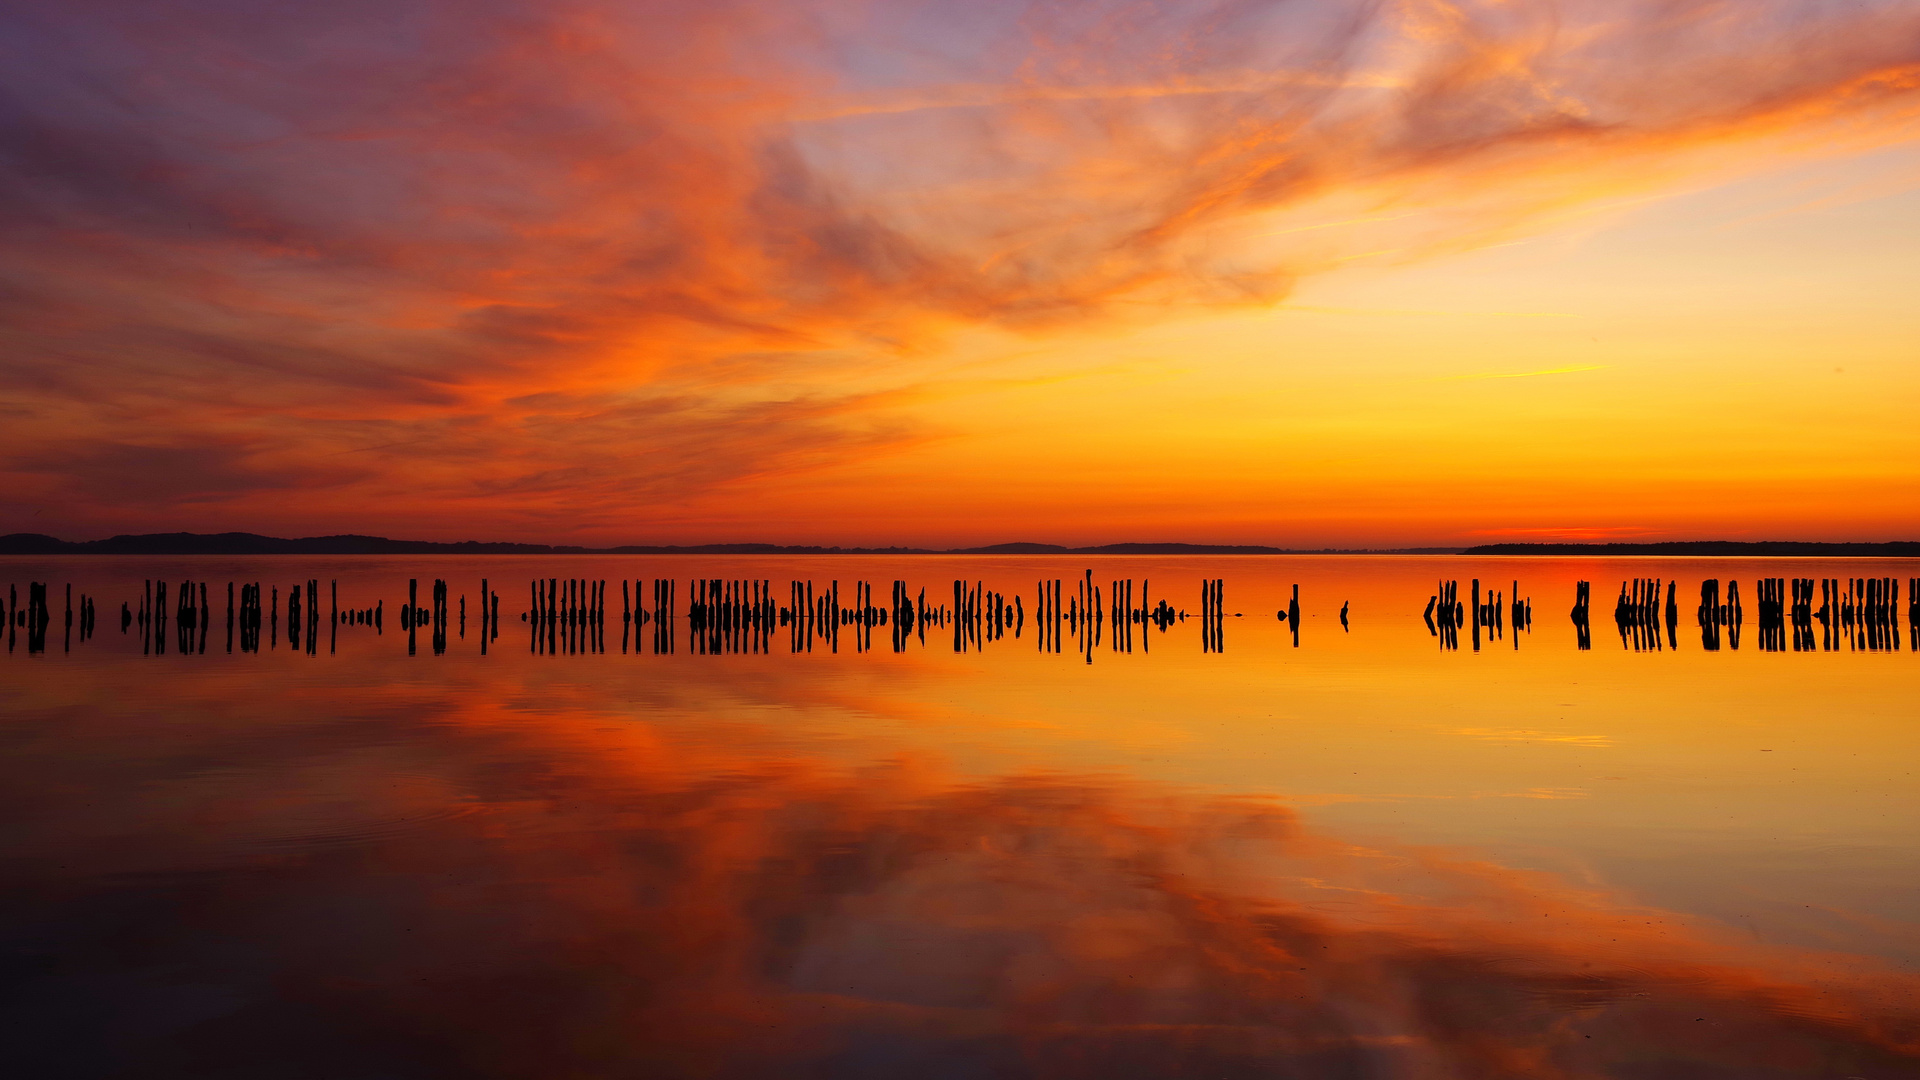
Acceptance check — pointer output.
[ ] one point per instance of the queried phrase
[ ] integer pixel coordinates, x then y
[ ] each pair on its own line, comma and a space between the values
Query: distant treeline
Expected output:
1895, 549
240, 543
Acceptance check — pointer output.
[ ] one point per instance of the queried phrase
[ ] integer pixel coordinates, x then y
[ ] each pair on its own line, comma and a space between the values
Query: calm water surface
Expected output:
1359, 853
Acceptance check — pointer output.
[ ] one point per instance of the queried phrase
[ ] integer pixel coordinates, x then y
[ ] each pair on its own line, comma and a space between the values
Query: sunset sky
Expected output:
806, 271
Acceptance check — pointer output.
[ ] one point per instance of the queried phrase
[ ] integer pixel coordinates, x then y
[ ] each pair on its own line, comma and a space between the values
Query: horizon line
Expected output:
246, 543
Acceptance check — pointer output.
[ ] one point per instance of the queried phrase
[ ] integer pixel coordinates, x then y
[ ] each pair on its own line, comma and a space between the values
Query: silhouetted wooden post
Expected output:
1478, 611
37, 617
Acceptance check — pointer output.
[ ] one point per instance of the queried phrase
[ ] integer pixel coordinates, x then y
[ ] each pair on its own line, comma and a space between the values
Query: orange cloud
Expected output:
453, 240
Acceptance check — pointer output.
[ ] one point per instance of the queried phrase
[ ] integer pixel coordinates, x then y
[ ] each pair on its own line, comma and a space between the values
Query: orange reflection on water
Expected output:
488, 875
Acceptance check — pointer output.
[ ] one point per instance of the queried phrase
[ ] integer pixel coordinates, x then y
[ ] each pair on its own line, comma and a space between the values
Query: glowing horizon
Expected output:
1313, 275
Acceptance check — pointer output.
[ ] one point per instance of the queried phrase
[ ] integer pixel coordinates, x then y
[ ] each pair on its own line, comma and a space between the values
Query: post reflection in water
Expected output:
798, 829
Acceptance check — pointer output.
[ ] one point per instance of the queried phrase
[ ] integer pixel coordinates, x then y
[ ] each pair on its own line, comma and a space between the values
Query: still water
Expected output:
1232, 847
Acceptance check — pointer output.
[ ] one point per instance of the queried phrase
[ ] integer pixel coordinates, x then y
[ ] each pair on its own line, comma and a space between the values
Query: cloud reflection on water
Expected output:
352, 883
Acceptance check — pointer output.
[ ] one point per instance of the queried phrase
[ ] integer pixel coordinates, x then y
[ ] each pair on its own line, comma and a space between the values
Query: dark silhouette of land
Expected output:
240, 543
1895, 549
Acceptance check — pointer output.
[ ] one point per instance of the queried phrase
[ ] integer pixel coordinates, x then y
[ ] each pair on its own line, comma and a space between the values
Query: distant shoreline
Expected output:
1896, 549
254, 544
236, 543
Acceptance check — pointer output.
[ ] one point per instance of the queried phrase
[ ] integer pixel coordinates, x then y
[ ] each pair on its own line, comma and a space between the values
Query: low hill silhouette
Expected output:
242, 543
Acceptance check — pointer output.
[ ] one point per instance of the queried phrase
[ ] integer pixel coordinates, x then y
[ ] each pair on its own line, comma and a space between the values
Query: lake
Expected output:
988, 836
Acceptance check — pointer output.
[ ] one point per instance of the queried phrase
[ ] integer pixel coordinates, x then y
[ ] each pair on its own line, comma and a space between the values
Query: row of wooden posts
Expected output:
1863, 601
1637, 613
1115, 617
1861, 613
1213, 613
34, 617
251, 609
743, 615
1853, 613
1856, 613
570, 615
1446, 614
1718, 618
